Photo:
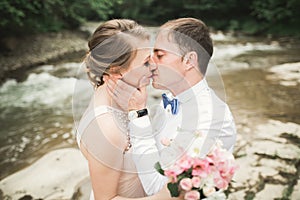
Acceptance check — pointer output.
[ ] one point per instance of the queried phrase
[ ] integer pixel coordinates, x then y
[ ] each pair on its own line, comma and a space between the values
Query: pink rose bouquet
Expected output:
201, 178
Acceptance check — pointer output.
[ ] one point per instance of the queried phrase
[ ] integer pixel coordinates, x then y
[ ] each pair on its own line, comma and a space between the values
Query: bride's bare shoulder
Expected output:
109, 126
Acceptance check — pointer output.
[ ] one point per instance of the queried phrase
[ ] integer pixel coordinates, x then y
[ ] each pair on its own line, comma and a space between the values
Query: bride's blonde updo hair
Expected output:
111, 45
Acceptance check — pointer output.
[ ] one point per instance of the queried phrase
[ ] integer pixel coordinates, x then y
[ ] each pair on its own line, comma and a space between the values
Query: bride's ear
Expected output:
114, 74
105, 77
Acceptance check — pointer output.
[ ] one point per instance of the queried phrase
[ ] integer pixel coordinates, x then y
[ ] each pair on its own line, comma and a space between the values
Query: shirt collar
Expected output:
193, 91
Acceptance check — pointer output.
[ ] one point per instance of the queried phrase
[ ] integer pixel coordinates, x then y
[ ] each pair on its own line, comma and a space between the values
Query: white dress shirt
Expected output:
200, 111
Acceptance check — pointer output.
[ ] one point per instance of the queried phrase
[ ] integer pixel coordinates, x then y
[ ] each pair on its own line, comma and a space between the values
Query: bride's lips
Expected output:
150, 76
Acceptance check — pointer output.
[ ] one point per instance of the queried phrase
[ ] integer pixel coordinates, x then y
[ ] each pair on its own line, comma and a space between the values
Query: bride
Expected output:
116, 48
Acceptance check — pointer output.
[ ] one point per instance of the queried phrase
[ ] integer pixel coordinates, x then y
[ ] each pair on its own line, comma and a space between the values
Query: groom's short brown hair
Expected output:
197, 31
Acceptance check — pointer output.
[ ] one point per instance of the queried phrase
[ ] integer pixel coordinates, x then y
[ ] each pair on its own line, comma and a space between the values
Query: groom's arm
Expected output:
145, 155
145, 152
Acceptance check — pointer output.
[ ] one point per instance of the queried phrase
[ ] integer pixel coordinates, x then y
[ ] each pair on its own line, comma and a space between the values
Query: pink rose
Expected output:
192, 195
201, 168
196, 181
186, 184
226, 169
172, 173
221, 155
185, 162
220, 183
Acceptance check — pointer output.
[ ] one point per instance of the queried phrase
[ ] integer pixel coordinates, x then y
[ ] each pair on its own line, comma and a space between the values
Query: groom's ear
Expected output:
190, 60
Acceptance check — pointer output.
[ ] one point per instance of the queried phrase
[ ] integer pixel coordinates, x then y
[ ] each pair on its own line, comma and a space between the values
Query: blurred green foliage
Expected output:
19, 17
249, 16
281, 17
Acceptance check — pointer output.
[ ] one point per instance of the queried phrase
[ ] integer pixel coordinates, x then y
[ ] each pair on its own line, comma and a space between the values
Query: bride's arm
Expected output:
102, 144
104, 180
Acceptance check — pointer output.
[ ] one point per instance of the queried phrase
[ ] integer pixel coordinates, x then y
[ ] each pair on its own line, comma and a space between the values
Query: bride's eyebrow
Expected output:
147, 58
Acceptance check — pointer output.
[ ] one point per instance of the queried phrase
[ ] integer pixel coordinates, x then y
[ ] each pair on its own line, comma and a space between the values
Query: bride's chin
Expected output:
157, 85
144, 84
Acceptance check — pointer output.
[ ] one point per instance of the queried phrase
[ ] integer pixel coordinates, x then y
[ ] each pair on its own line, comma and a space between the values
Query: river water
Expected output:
36, 114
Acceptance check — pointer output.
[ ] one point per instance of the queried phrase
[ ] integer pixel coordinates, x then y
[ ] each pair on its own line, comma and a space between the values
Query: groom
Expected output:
182, 51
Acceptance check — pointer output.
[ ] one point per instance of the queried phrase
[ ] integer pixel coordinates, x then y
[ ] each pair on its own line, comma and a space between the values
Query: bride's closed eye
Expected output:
147, 64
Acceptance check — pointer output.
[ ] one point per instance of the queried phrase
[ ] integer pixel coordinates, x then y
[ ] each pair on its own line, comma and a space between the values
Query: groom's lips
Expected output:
153, 75
150, 76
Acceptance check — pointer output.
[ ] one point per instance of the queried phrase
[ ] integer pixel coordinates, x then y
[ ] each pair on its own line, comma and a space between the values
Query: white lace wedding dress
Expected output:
96, 144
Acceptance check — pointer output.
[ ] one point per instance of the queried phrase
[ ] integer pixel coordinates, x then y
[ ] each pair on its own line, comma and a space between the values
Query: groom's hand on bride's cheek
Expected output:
120, 92
127, 96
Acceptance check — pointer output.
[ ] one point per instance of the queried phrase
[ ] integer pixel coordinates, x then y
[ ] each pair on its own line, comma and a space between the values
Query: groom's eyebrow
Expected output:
156, 50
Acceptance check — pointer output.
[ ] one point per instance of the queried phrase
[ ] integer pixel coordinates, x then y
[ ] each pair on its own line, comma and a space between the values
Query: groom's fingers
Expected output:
110, 88
120, 100
110, 85
125, 87
113, 90
111, 93
120, 92
144, 81
127, 96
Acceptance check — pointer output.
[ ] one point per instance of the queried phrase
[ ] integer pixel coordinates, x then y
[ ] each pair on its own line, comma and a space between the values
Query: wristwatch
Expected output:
133, 114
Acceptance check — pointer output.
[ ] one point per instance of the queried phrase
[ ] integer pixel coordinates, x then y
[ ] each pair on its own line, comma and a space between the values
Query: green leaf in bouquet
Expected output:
173, 188
157, 166
180, 177
189, 172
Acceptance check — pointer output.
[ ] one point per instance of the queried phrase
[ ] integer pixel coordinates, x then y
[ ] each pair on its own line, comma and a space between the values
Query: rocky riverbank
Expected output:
266, 107
269, 162
30, 51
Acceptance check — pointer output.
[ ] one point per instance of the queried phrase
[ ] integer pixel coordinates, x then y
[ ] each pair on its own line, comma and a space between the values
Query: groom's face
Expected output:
169, 68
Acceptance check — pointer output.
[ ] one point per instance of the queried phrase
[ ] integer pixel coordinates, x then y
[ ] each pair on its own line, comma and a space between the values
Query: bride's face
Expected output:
138, 73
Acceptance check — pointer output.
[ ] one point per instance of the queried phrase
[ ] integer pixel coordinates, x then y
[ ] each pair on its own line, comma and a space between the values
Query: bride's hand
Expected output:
127, 96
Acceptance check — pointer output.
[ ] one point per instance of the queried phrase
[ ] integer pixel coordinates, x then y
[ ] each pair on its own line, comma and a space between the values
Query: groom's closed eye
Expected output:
158, 53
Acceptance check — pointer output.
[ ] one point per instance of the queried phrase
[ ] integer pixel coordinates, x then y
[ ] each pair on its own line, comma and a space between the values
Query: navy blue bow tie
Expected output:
172, 102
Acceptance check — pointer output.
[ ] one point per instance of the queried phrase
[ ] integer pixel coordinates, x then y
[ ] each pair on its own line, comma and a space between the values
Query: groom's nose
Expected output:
152, 65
